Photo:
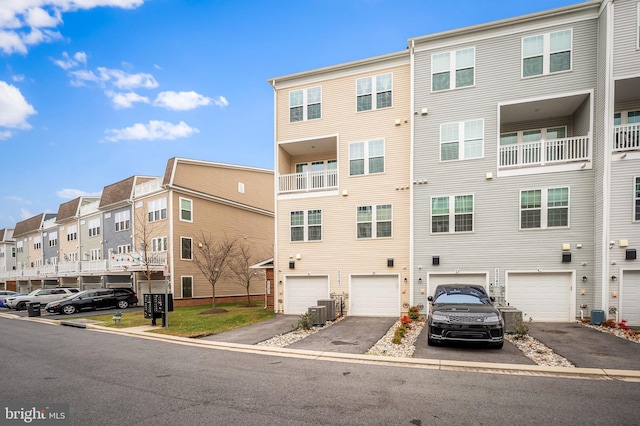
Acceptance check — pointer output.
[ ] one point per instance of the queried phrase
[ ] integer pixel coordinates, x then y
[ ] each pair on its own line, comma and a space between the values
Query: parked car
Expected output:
4, 294
42, 295
464, 313
99, 298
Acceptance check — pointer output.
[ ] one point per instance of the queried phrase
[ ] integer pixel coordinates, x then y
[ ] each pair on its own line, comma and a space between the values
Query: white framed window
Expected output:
124, 249
123, 220
452, 209
306, 225
53, 239
94, 227
96, 254
544, 208
159, 244
305, 104
366, 157
317, 180
374, 92
626, 117
462, 141
37, 243
72, 232
19, 247
636, 199
187, 286
73, 257
453, 70
186, 210
157, 209
186, 248
547, 53
374, 221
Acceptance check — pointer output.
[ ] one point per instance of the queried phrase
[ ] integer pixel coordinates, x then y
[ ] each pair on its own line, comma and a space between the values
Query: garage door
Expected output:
374, 295
302, 292
541, 296
438, 279
630, 297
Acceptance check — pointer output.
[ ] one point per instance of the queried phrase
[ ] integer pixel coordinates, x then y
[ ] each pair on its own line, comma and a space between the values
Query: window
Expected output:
96, 254
459, 63
636, 198
159, 244
72, 232
19, 247
544, 208
185, 210
305, 104
123, 220
462, 140
373, 221
53, 239
374, 92
124, 249
186, 245
306, 225
94, 227
546, 53
187, 286
366, 157
73, 257
37, 243
157, 209
461, 215
324, 179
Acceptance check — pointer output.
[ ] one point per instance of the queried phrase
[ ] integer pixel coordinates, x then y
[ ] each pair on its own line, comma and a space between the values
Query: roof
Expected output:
6, 234
32, 224
265, 264
68, 210
117, 192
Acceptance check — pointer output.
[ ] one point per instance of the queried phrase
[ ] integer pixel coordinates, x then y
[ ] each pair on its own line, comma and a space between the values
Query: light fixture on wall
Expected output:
435, 260
614, 278
420, 280
584, 278
390, 262
566, 257
405, 279
292, 264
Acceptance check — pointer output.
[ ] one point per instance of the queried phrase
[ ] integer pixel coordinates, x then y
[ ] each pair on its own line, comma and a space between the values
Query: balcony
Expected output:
543, 152
308, 181
626, 137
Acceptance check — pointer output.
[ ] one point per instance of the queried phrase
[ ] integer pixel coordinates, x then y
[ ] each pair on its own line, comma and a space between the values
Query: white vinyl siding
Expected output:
374, 92
544, 208
462, 140
366, 157
453, 70
305, 104
547, 53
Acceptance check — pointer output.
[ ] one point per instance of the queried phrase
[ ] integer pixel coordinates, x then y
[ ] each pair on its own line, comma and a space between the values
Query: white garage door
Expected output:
438, 279
630, 297
374, 295
302, 292
541, 296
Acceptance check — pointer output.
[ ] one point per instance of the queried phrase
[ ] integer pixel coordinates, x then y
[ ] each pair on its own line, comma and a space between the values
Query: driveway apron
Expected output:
259, 332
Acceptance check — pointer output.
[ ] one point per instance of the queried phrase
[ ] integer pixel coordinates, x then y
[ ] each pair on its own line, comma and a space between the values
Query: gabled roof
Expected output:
32, 224
120, 192
265, 264
71, 209
6, 234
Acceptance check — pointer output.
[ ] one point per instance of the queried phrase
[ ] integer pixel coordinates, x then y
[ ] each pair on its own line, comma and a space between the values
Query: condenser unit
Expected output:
331, 308
318, 315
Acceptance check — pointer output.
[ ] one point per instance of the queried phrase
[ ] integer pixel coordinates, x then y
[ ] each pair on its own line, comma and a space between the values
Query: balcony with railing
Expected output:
308, 181
148, 187
544, 152
626, 137
308, 165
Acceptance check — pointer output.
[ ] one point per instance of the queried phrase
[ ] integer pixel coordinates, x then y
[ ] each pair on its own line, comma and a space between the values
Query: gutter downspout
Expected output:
277, 307
411, 171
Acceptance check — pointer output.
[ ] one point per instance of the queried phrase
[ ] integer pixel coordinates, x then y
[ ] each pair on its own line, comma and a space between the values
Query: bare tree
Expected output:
150, 257
212, 259
240, 268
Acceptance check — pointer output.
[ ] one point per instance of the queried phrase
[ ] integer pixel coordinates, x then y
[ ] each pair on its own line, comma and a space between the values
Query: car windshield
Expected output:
468, 295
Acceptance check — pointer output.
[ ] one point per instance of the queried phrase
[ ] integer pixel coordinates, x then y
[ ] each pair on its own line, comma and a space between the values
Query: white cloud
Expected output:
5, 134
81, 57
221, 101
66, 63
70, 194
18, 78
154, 130
126, 100
183, 101
14, 109
21, 21
117, 78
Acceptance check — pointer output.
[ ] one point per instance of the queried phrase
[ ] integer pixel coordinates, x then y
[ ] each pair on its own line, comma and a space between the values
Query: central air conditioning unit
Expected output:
330, 304
317, 315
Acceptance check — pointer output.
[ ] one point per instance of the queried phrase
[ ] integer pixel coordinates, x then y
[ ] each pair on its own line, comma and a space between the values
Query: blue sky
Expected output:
95, 91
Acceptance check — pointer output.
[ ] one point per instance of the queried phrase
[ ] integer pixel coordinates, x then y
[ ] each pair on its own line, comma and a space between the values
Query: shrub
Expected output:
304, 323
399, 334
521, 328
623, 325
405, 319
414, 313
608, 323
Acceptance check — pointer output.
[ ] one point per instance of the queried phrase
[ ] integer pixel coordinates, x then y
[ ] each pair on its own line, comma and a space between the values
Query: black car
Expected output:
100, 298
464, 313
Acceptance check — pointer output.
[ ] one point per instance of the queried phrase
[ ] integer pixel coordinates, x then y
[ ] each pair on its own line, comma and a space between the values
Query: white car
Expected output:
42, 295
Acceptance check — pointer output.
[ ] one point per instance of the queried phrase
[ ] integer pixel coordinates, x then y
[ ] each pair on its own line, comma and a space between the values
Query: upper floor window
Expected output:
452, 70
636, 198
546, 53
72, 232
535, 135
186, 210
306, 225
94, 227
456, 209
53, 239
157, 209
544, 208
374, 221
124, 249
96, 254
626, 117
123, 220
305, 104
159, 244
366, 157
37, 243
374, 92
186, 245
19, 247
461, 141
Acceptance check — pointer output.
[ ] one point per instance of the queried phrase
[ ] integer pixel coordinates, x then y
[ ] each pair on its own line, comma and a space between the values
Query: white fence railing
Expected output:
626, 137
308, 181
545, 152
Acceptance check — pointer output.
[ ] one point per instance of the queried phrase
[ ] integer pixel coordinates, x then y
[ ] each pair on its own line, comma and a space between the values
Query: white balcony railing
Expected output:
308, 181
626, 137
543, 152
147, 187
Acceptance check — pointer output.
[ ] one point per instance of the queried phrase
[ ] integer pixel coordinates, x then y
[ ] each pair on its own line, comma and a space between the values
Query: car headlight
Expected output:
440, 318
492, 319
52, 305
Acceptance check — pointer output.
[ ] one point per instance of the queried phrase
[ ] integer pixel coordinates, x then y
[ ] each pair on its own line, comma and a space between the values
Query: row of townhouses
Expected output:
141, 233
505, 154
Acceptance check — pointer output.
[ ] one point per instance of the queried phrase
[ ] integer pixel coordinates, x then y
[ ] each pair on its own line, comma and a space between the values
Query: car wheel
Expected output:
123, 304
21, 306
69, 309
497, 345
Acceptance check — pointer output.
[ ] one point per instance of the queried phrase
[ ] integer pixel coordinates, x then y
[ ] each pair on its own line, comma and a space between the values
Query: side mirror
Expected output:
430, 298
493, 299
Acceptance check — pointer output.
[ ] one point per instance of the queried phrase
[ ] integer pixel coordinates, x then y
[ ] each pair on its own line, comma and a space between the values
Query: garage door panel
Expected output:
630, 297
541, 296
374, 296
302, 292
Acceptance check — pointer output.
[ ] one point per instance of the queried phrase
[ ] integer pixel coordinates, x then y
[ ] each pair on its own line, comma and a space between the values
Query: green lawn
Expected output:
191, 322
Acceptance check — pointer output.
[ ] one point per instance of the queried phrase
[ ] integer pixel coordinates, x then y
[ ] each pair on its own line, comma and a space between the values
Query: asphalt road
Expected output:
111, 379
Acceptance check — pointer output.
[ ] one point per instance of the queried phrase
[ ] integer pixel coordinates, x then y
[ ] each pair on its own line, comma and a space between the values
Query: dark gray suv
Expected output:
100, 298
464, 313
